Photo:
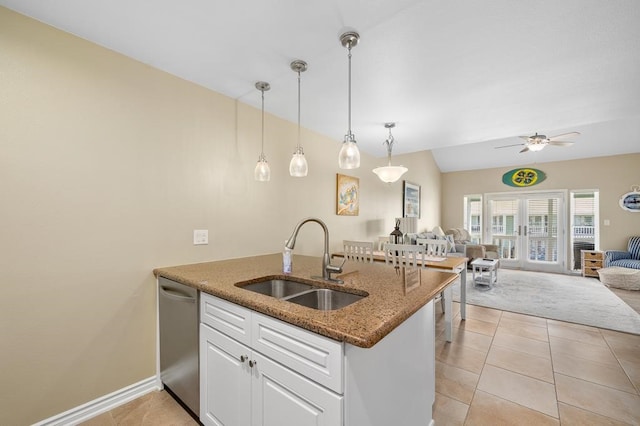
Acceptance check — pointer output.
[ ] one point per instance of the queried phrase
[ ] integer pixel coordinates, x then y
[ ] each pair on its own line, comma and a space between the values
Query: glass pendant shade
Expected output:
262, 171
390, 174
298, 166
536, 146
349, 156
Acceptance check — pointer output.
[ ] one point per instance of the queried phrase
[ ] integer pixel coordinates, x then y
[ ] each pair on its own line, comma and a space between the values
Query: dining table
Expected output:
457, 265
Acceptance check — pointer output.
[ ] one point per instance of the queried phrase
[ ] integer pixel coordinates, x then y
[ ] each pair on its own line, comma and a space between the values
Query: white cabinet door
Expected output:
281, 397
225, 380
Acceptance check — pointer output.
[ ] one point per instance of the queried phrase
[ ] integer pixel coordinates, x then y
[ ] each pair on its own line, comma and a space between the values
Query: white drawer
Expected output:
226, 317
316, 357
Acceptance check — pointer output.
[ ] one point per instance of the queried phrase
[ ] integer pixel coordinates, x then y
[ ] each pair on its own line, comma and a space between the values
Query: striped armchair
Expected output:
626, 259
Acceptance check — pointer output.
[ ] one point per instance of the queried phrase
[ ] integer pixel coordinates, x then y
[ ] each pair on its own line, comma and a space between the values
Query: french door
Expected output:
528, 229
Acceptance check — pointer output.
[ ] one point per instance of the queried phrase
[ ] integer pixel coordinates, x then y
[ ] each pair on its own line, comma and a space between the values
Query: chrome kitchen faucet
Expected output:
327, 267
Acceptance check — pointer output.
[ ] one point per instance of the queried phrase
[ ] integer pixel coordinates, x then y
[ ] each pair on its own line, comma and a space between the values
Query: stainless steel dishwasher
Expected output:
179, 307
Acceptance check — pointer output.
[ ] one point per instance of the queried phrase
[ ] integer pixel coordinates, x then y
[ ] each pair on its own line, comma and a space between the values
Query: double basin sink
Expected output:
323, 299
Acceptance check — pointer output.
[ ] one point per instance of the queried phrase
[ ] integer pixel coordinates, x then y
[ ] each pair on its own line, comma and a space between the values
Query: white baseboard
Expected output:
103, 404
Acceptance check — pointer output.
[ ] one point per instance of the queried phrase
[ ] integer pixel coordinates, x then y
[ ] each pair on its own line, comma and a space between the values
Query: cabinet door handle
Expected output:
243, 358
253, 363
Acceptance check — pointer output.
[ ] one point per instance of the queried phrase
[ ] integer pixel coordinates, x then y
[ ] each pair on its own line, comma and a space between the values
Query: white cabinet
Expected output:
240, 386
258, 371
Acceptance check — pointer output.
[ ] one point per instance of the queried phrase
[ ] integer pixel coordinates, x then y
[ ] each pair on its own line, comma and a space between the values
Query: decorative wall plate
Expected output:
523, 177
631, 200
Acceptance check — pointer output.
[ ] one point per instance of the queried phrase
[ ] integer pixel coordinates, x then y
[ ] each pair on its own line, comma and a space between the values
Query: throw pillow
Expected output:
452, 243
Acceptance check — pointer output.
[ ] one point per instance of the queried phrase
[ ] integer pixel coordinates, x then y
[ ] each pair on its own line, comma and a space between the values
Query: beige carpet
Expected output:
561, 297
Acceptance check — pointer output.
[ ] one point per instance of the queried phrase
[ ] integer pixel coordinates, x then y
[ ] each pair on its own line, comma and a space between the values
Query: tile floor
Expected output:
502, 368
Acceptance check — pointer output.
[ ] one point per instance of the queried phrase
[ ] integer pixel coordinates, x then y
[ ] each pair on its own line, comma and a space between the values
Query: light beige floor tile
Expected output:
477, 326
541, 322
574, 416
588, 335
455, 382
483, 314
448, 411
104, 419
605, 374
460, 356
490, 410
518, 328
529, 392
470, 339
571, 324
576, 349
625, 346
599, 399
633, 372
522, 363
522, 344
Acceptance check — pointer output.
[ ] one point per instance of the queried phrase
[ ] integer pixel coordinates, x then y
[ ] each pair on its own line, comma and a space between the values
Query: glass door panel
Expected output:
527, 228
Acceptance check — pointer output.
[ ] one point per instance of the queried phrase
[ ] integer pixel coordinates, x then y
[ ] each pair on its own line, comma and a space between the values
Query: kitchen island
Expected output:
369, 363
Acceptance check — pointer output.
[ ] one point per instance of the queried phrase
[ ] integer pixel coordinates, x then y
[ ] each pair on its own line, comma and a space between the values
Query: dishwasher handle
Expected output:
175, 294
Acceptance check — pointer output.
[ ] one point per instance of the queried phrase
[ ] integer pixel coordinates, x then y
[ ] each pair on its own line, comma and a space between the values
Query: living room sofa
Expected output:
625, 259
463, 244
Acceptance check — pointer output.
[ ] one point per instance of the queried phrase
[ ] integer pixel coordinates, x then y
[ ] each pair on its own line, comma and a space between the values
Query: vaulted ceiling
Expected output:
458, 77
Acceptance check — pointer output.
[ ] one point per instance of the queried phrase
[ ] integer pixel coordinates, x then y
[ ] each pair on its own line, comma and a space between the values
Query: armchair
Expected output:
625, 259
463, 243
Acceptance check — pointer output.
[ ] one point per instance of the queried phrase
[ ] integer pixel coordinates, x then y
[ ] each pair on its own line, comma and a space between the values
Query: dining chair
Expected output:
434, 247
411, 255
382, 240
403, 255
358, 251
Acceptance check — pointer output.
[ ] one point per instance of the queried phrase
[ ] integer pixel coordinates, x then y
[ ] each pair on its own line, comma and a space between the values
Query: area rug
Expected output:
561, 297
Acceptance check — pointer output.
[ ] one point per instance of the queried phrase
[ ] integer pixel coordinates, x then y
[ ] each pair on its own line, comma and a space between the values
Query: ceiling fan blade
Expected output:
526, 138
508, 146
525, 149
564, 136
560, 143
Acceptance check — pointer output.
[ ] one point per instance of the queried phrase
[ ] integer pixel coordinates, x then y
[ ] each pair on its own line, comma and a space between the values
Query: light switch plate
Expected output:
200, 236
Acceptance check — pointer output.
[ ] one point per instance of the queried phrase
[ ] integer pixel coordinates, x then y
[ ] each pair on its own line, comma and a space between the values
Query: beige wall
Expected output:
612, 176
106, 168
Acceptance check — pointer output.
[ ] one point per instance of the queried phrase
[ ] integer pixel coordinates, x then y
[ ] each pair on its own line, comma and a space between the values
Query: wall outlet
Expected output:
200, 237
607, 222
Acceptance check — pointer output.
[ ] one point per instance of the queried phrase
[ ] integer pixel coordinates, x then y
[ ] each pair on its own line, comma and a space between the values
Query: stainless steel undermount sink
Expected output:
277, 288
303, 294
325, 299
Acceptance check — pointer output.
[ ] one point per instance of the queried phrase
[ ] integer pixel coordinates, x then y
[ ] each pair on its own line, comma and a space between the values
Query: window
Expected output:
473, 217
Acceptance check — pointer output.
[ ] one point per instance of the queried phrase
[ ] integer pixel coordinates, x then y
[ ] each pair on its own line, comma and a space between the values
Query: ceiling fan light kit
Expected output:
389, 173
537, 142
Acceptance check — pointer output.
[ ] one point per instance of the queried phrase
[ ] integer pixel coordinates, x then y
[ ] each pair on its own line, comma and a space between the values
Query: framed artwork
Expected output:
347, 195
410, 199
631, 200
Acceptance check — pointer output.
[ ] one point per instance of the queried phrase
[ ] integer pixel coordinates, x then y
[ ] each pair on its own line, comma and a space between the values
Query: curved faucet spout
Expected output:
327, 268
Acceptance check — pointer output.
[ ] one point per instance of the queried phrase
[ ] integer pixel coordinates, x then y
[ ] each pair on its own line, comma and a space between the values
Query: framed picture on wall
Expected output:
410, 199
347, 195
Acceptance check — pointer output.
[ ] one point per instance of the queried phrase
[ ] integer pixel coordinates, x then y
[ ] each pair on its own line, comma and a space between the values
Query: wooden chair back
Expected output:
434, 247
409, 255
358, 251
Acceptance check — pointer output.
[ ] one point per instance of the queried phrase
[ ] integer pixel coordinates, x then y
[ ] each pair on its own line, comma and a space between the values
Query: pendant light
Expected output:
262, 172
349, 157
389, 173
298, 166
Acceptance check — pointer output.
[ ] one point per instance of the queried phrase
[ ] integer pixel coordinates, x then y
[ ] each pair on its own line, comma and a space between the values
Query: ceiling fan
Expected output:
538, 142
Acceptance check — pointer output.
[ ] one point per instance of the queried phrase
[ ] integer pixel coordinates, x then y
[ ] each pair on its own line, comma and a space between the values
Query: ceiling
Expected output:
458, 77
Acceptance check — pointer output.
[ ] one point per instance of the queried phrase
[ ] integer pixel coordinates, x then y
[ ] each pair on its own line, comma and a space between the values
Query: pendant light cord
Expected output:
349, 97
262, 147
298, 150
